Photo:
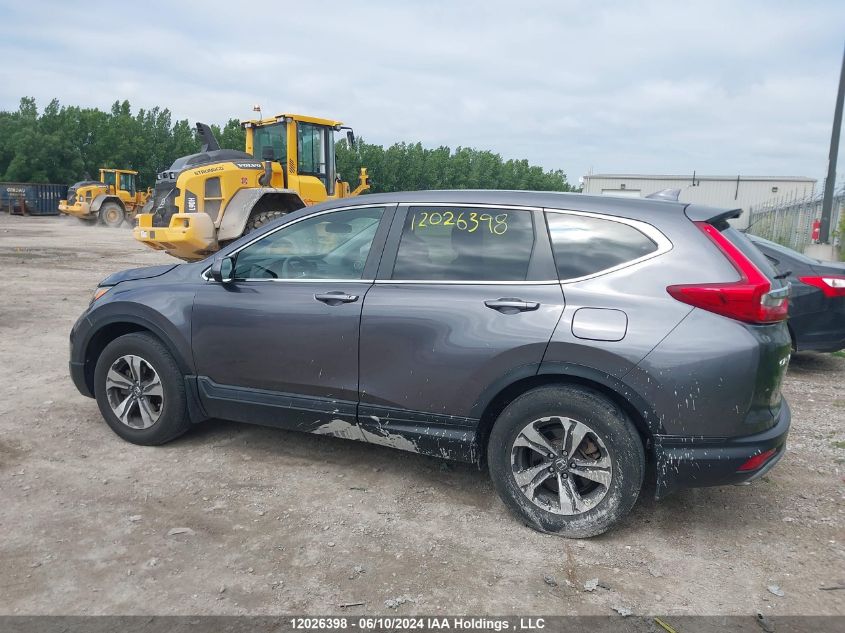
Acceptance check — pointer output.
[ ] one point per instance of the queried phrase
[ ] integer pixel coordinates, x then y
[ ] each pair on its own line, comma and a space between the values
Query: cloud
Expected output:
717, 87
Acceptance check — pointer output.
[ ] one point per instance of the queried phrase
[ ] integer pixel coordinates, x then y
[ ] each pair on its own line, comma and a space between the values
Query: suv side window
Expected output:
584, 245
465, 244
326, 246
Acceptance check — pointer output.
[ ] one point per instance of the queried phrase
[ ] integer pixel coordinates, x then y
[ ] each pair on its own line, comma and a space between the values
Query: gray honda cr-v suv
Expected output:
567, 342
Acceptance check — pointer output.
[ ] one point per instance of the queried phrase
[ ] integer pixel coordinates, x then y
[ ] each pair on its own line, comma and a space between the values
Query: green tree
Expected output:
231, 135
68, 143
410, 167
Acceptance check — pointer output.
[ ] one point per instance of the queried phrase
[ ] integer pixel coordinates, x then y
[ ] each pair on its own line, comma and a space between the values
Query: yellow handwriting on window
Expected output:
469, 221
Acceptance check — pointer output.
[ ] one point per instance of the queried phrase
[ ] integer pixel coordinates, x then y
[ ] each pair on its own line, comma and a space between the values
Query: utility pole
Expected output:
827, 201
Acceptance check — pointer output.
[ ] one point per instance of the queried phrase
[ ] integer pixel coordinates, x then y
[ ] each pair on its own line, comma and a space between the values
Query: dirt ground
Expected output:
280, 522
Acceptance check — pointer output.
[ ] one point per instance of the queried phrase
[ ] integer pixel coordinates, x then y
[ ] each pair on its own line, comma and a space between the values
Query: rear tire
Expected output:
575, 491
260, 219
141, 391
112, 215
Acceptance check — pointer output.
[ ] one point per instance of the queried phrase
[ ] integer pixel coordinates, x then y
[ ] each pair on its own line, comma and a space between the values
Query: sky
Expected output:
723, 88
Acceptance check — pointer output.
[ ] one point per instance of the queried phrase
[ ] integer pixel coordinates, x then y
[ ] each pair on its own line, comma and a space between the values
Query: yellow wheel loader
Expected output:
110, 200
208, 199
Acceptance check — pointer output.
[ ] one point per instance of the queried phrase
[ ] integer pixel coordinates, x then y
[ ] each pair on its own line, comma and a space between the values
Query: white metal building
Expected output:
715, 191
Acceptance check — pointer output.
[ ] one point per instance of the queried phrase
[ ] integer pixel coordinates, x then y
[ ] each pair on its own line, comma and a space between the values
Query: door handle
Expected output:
510, 305
335, 297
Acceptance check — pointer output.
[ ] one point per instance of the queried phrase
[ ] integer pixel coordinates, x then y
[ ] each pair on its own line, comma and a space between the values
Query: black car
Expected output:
817, 303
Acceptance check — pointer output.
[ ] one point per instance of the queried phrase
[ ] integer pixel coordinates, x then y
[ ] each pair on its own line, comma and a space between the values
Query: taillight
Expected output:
831, 285
753, 463
751, 299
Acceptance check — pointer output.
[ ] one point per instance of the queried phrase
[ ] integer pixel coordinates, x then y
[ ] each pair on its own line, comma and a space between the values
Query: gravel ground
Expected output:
234, 519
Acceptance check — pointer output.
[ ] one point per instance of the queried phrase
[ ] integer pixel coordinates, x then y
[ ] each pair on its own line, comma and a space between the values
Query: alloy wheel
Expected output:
561, 465
134, 392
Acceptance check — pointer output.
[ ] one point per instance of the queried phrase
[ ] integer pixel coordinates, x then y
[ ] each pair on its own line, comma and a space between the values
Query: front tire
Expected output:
566, 460
112, 215
260, 219
140, 390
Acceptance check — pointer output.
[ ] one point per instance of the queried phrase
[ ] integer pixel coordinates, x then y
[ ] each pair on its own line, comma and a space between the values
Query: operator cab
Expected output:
119, 179
312, 140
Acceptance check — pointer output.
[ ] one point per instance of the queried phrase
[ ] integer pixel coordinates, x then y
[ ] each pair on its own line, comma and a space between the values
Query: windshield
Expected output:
272, 135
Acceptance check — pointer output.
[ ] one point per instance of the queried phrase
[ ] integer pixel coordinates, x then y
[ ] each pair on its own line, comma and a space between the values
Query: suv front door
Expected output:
466, 300
279, 344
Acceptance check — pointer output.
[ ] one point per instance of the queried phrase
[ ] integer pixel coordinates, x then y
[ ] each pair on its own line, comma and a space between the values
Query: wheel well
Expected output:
511, 392
98, 343
114, 199
276, 202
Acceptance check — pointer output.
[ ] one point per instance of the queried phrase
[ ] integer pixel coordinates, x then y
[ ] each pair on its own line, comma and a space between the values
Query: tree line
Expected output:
412, 167
65, 144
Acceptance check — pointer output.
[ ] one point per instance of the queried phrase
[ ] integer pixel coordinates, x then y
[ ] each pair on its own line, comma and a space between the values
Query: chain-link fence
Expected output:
789, 220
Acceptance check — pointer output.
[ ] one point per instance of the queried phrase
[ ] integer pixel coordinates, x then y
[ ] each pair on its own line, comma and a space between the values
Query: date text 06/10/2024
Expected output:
418, 623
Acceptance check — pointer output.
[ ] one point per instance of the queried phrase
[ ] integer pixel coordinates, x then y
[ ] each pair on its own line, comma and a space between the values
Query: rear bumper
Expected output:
693, 462
189, 236
818, 323
833, 344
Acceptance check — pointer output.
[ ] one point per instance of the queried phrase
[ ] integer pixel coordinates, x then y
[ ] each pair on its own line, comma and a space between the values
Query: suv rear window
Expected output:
465, 244
584, 245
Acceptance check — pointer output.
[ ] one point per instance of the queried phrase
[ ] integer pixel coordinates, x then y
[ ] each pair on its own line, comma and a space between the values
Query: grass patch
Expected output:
838, 444
840, 354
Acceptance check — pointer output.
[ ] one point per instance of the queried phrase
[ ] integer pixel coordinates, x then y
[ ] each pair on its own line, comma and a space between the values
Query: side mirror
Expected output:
350, 138
222, 270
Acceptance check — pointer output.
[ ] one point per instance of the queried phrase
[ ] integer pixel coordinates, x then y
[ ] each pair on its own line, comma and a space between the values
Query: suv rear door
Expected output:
774, 350
772, 335
465, 300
